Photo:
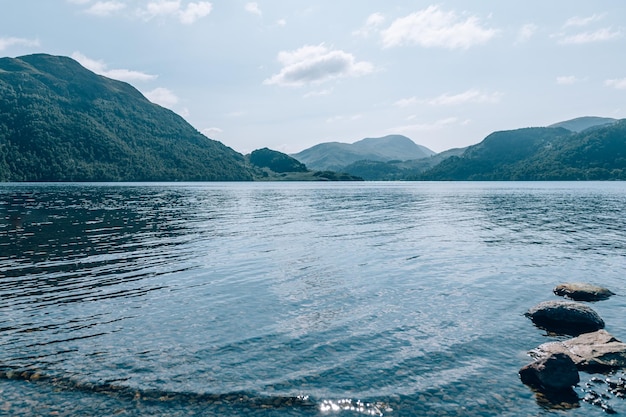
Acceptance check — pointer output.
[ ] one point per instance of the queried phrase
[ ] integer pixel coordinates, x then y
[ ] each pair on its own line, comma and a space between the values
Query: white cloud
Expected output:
351, 118
105, 8
211, 131
372, 24
163, 97
406, 102
100, 67
8, 42
567, 80
619, 83
469, 96
186, 14
526, 32
160, 8
316, 64
583, 21
281, 22
425, 127
253, 8
194, 11
433, 27
319, 93
600, 35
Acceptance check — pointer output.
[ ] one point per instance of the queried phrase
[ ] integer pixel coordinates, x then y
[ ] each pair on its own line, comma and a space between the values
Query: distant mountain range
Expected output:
61, 122
336, 156
585, 148
583, 123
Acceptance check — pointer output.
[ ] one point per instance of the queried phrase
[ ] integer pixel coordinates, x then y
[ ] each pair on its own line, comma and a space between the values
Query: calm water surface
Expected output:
281, 299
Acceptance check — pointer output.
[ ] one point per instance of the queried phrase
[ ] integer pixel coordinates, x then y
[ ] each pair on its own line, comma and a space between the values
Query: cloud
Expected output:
433, 27
194, 11
583, 21
426, 127
526, 32
618, 83
186, 14
351, 118
11, 41
470, 96
105, 8
567, 80
373, 22
100, 67
163, 97
281, 22
316, 64
211, 131
600, 35
406, 102
253, 8
160, 8
319, 93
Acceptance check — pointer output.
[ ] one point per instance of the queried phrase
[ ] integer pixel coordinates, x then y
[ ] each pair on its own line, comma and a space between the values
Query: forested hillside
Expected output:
61, 122
598, 153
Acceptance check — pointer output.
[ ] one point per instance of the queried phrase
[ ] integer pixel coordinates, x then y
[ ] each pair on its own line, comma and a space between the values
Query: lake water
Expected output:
294, 299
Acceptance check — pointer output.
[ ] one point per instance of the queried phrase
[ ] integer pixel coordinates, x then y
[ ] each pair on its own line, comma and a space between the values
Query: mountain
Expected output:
276, 161
270, 165
546, 153
336, 155
61, 122
583, 123
398, 170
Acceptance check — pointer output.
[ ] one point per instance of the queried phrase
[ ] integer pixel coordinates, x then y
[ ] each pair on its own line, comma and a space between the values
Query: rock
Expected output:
555, 372
593, 352
582, 292
565, 317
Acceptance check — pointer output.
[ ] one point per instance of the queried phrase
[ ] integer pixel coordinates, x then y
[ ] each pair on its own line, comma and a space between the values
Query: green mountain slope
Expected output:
337, 156
583, 123
269, 165
552, 153
61, 122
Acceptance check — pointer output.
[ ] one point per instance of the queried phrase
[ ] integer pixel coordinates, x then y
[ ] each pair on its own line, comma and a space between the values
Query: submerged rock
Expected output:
582, 292
554, 372
565, 317
594, 352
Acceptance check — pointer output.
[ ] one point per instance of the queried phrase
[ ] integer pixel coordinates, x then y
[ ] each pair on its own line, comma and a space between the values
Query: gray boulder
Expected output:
554, 372
582, 292
565, 317
592, 352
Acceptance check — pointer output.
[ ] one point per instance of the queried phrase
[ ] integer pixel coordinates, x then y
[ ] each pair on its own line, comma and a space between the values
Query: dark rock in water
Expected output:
593, 352
555, 372
565, 317
582, 292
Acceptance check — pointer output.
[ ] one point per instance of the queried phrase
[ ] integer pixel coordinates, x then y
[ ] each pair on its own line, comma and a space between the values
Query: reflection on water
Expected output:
303, 299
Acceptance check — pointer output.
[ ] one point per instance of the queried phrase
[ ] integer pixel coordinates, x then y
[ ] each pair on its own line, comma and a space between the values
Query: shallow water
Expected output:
249, 299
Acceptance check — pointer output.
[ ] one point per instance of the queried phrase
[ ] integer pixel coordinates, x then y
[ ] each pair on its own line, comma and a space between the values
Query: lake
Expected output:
294, 299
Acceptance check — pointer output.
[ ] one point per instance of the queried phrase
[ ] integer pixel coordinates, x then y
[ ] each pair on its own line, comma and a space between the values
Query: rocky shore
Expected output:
555, 369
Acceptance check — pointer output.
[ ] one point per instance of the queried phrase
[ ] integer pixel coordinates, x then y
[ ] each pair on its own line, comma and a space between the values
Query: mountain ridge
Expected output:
62, 122
337, 155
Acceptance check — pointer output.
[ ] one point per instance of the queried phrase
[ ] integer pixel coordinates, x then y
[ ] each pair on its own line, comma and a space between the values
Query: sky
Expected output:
288, 75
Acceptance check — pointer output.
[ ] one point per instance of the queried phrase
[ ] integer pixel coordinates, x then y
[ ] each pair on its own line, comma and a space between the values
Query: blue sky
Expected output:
290, 74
